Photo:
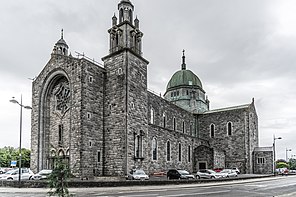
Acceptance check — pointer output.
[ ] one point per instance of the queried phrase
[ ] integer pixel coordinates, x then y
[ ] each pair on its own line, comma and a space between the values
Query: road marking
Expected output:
199, 193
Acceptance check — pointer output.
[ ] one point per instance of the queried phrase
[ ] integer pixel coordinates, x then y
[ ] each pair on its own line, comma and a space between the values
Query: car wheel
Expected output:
10, 179
197, 177
227, 176
212, 177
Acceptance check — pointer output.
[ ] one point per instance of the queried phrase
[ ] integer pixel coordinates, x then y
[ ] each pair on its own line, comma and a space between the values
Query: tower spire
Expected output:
183, 61
62, 34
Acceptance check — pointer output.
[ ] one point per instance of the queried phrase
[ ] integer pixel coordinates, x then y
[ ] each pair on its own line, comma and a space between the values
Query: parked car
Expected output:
208, 174
43, 174
3, 170
26, 174
236, 169
228, 173
137, 175
179, 174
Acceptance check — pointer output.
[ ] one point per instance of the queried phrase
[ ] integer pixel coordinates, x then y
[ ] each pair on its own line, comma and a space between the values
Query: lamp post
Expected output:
274, 158
287, 153
20, 148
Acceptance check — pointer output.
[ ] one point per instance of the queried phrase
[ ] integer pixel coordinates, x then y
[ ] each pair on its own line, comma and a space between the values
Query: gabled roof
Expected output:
228, 109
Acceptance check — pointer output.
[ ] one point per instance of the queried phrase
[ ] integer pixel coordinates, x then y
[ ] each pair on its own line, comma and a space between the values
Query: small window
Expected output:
99, 156
90, 143
177, 93
190, 83
90, 79
172, 94
154, 149
229, 128
190, 129
132, 105
88, 115
261, 160
61, 130
189, 153
164, 121
180, 153
174, 124
119, 71
212, 130
183, 127
168, 151
152, 115
187, 92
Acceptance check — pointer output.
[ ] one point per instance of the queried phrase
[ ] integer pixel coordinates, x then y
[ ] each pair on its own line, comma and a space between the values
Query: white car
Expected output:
228, 173
43, 174
137, 175
26, 174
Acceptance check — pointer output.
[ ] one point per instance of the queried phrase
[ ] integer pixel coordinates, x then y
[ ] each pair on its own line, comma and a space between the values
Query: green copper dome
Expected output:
184, 78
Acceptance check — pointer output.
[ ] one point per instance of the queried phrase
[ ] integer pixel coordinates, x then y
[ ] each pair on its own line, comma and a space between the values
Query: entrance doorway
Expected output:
202, 165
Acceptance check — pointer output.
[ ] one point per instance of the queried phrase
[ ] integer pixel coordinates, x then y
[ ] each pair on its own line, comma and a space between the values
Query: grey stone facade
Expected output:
103, 121
263, 160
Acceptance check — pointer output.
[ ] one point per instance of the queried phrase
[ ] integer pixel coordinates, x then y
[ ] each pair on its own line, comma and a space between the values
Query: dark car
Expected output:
179, 174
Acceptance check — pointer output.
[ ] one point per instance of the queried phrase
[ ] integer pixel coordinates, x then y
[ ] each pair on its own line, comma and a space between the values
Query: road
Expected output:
271, 186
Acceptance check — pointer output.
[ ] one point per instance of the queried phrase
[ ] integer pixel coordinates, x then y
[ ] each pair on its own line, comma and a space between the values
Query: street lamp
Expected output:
287, 153
21, 117
274, 158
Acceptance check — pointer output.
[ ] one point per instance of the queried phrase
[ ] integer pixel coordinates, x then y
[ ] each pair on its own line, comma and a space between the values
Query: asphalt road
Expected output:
272, 186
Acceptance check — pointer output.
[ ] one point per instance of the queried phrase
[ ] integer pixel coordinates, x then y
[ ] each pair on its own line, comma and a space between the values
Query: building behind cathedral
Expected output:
103, 121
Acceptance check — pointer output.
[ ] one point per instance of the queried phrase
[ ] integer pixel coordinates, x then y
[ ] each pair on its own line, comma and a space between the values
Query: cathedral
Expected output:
102, 120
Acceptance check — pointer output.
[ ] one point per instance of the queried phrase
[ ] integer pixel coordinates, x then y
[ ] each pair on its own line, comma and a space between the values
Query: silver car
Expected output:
43, 174
207, 174
228, 173
137, 175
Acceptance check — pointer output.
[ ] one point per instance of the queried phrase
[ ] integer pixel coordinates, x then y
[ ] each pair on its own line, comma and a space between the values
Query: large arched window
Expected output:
229, 128
212, 130
152, 115
154, 149
168, 151
180, 152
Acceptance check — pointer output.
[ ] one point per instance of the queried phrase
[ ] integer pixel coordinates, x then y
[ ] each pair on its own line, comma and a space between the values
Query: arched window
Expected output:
131, 16
152, 115
154, 149
183, 127
180, 153
120, 15
168, 151
138, 145
174, 124
229, 128
212, 130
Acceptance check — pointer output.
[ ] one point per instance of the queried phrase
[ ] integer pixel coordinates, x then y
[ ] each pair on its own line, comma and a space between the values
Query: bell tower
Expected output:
126, 119
126, 33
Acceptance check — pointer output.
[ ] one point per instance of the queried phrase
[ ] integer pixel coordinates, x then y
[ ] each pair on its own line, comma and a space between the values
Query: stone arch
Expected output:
49, 83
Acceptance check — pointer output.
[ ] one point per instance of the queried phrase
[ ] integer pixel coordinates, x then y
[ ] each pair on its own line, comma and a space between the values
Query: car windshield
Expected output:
183, 172
226, 171
211, 171
11, 171
139, 172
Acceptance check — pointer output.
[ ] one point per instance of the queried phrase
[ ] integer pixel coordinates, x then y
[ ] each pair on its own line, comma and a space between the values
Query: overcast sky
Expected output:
240, 49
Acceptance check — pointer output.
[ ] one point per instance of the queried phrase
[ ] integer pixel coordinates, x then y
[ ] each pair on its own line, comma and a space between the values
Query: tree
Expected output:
282, 165
58, 179
8, 154
292, 163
